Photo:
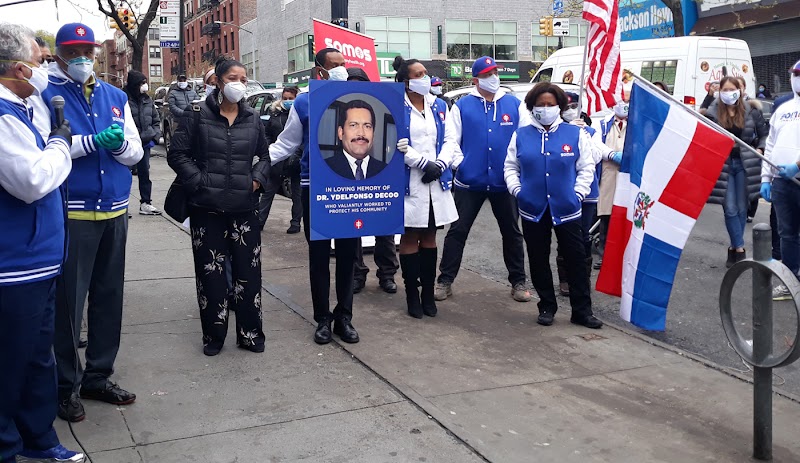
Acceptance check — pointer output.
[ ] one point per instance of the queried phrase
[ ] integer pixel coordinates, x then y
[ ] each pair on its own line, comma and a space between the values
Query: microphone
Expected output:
58, 106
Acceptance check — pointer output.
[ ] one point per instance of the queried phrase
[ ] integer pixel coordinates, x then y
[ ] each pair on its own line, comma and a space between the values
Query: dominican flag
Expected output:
671, 162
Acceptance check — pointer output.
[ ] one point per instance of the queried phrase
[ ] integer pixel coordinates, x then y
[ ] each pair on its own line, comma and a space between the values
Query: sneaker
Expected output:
442, 291
55, 454
520, 293
588, 322
71, 409
781, 293
148, 209
749, 219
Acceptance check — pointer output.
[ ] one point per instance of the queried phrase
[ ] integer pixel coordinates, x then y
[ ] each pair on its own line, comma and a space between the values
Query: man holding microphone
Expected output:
32, 211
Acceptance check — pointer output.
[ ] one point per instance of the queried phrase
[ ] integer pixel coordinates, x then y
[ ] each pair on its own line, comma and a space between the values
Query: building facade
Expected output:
447, 36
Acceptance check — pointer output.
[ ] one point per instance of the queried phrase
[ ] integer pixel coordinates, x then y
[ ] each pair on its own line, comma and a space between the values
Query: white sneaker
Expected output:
148, 209
781, 293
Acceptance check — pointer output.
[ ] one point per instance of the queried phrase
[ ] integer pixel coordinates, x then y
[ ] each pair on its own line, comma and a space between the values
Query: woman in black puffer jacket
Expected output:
740, 179
144, 114
212, 152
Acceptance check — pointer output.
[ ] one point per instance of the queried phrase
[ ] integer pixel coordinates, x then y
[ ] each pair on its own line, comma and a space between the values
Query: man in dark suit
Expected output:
356, 132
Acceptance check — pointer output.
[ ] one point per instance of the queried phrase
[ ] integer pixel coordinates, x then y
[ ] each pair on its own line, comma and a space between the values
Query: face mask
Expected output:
80, 68
490, 84
337, 74
183, 85
796, 84
287, 104
570, 115
621, 110
209, 89
545, 115
420, 86
234, 91
144, 88
761, 89
436, 90
38, 79
729, 97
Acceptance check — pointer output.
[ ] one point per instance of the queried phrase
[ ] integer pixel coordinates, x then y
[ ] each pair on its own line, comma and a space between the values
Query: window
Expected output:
410, 37
298, 53
660, 71
232, 46
155, 70
155, 52
225, 42
225, 13
153, 34
542, 46
473, 39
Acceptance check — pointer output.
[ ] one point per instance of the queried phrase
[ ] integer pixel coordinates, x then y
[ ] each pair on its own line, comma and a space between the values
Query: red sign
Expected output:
359, 224
358, 49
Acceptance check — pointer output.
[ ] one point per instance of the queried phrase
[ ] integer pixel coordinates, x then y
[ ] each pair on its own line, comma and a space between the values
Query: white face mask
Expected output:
436, 90
729, 97
209, 89
183, 85
795, 84
338, 74
80, 68
38, 79
234, 91
545, 115
144, 88
570, 115
421, 86
490, 84
621, 110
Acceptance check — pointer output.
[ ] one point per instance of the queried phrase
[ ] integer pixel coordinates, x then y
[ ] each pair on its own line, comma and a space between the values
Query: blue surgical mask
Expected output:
80, 68
287, 104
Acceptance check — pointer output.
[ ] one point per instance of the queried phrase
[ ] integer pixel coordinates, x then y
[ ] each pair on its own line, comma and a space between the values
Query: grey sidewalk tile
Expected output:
158, 265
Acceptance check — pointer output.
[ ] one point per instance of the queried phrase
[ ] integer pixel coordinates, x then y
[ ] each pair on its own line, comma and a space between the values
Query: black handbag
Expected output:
176, 204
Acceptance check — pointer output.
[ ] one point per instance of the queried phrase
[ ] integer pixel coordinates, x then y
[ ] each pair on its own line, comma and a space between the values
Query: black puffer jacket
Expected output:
755, 133
143, 110
214, 160
277, 117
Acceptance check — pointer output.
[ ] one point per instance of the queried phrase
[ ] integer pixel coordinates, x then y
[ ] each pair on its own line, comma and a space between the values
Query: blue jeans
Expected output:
786, 201
735, 205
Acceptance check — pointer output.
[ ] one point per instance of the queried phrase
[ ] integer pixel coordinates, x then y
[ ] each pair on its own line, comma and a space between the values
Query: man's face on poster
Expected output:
357, 133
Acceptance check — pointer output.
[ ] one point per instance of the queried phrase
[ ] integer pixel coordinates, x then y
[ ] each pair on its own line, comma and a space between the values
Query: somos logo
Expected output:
506, 120
349, 50
117, 115
566, 150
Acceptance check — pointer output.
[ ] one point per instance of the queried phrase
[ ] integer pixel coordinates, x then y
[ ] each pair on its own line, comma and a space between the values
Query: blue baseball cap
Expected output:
572, 97
482, 65
795, 68
75, 34
436, 81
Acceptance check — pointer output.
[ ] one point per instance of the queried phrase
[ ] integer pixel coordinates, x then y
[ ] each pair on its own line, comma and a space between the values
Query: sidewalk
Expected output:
480, 382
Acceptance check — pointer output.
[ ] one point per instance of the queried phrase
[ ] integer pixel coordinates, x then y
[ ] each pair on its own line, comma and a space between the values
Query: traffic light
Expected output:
112, 23
126, 16
546, 26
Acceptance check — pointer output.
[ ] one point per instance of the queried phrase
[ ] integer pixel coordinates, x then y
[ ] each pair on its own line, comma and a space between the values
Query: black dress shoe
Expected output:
293, 229
82, 344
257, 348
323, 333
358, 285
110, 393
545, 318
389, 286
588, 322
71, 409
345, 330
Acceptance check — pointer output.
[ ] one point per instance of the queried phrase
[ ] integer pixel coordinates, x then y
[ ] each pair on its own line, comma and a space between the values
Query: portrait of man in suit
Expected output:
356, 132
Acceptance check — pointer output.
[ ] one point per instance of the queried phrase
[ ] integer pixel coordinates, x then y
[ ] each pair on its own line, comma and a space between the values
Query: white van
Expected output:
687, 65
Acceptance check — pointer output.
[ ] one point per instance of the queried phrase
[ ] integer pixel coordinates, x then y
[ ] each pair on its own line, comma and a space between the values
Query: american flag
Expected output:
604, 84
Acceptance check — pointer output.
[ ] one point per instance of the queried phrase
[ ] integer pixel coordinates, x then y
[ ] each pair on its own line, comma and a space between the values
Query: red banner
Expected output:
358, 49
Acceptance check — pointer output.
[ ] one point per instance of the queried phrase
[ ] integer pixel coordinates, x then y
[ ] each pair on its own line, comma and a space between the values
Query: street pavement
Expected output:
480, 382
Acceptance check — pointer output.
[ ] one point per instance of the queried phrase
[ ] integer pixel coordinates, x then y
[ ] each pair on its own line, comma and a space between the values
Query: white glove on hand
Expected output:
402, 145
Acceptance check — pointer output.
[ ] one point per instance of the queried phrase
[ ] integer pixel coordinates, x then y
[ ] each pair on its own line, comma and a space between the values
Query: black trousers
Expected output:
95, 266
270, 190
219, 239
143, 172
319, 255
468, 205
538, 237
385, 259
776, 238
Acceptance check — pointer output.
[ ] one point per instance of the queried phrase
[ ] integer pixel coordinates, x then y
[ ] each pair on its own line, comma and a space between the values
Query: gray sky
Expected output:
42, 15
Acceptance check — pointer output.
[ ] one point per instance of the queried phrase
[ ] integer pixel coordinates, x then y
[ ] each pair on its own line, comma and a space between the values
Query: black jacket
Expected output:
180, 101
273, 127
214, 160
145, 116
755, 133
338, 163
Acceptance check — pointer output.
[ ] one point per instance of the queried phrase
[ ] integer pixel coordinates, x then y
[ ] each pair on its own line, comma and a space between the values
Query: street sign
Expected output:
560, 27
169, 8
170, 44
169, 28
558, 7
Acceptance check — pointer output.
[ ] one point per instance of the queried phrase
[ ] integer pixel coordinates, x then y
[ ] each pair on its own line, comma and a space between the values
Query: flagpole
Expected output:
583, 71
711, 123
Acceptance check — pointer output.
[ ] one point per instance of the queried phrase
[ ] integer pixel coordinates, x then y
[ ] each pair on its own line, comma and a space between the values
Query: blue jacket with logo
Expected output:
32, 240
486, 128
100, 179
594, 189
439, 109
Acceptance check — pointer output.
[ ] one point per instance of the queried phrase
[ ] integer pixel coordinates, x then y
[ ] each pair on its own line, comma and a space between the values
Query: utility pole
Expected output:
181, 41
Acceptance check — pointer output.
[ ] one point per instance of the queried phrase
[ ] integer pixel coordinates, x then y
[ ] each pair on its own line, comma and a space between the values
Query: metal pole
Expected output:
181, 41
762, 344
583, 71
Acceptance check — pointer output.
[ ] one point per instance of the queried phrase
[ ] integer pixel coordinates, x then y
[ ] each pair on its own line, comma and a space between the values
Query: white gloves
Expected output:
402, 145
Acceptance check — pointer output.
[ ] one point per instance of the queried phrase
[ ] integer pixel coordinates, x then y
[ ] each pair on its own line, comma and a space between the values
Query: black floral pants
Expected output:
219, 240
